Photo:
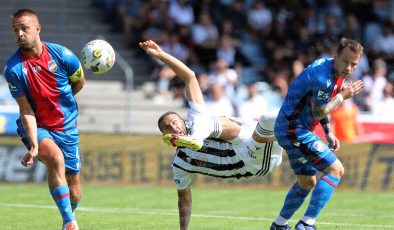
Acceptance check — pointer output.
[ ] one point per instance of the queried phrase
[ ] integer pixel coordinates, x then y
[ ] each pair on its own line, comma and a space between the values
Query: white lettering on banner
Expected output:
11, 169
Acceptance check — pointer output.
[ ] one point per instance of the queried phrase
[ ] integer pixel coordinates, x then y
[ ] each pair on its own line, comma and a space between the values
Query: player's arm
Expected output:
330, 136
348, 91
192, 88
184, 207
29, 122
77, 80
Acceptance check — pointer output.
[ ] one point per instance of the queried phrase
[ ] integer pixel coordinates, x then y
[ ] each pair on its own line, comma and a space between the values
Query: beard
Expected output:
26, 46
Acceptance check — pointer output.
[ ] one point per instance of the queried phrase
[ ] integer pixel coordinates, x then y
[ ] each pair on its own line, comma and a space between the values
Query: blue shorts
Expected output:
67, 141
307, 152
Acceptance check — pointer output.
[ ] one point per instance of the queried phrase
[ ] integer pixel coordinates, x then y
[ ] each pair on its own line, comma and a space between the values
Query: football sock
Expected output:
265, 126
294, 199
321, 194
205, 127
61, 196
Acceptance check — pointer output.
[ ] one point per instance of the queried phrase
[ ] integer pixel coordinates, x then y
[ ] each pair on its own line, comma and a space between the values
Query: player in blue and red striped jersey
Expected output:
319, 89
43, 78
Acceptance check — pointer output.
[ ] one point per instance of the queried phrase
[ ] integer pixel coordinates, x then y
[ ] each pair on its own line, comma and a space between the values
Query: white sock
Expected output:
205, 127
265, 126
309, 220
281, 221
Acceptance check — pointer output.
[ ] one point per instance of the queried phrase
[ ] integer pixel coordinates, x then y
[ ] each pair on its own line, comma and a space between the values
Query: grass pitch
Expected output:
29, 206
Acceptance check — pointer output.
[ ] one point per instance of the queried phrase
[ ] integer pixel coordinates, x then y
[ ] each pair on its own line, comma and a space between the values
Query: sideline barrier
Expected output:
368, 167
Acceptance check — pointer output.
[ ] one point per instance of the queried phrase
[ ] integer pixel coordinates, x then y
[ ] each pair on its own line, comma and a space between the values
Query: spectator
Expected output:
218, 104
375, 83
385, 107
254, 106
345, 123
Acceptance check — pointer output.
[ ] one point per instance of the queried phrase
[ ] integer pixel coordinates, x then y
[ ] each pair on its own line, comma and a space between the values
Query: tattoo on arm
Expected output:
318, 112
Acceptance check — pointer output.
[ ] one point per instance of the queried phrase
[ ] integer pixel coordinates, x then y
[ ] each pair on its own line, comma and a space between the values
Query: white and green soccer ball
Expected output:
98, 56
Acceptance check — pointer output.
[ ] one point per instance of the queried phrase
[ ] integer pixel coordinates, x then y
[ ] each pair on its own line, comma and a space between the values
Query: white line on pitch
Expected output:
174, 212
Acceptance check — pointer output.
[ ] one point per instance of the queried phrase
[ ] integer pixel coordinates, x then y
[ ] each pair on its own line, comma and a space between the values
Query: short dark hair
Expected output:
352, 44
161, 118
23, 12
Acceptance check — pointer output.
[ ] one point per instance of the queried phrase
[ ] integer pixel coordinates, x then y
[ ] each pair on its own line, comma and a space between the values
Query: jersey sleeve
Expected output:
72, 65
182, 178
14, 83
320, 94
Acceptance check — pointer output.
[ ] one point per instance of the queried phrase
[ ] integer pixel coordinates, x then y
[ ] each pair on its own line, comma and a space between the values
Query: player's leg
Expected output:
296, 195
264, 131
323, 190
73, 182
52, 157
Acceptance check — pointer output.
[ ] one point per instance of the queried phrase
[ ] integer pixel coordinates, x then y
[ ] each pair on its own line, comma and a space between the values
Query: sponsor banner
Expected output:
11, 169
367, 167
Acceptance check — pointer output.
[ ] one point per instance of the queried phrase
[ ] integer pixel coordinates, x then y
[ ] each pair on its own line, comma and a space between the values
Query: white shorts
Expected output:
261, 158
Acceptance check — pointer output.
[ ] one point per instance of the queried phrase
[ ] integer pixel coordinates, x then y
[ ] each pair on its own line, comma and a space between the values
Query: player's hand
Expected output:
352, 89
333, 142
28, 159
150, 47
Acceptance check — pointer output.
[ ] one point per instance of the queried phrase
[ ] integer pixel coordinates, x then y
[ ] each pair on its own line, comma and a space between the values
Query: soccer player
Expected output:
319, 89
244, 149
43, 78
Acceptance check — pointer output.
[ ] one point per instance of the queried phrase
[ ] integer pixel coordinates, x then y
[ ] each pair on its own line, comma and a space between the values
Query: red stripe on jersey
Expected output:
44, 90
338, 82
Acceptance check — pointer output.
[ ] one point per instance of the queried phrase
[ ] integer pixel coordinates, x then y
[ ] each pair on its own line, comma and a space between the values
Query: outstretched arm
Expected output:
193, 91
184, 207
348, 91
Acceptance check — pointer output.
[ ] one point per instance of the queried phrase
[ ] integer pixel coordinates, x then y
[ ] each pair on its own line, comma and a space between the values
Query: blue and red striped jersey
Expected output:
45, 82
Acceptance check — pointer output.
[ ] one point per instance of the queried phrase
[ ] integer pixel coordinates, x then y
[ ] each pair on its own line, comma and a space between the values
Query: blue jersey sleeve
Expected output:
320, 82
14, 83
71, 62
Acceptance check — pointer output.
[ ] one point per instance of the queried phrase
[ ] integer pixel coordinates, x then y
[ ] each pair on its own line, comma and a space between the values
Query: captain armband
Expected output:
78, 75
335, 102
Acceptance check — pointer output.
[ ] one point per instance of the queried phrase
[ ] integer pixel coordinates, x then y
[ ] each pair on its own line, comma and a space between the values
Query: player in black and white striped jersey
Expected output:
220, 146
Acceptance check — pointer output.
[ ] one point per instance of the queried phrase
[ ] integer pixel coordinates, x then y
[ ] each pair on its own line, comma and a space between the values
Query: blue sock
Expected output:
61, 195
294, 199
321, 194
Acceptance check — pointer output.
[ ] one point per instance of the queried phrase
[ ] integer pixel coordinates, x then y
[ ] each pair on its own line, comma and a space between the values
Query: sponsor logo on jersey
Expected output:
319, 146
52, 66
321, 95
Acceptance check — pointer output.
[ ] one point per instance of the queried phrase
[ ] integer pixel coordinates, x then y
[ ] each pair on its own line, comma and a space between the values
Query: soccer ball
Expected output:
98, 56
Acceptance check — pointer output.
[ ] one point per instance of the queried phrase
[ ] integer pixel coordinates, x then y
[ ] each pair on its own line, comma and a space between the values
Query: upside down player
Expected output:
43, 78
318, 90
245, 149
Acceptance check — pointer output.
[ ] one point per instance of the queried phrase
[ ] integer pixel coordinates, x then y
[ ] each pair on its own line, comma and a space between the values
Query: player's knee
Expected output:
307, 183
336, 169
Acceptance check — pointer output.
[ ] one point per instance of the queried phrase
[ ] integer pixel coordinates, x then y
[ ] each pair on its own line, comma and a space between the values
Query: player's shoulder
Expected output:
12, 62
321, 65
57, 48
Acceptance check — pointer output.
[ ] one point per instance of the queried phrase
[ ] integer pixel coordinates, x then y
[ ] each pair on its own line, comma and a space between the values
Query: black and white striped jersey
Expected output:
218, 159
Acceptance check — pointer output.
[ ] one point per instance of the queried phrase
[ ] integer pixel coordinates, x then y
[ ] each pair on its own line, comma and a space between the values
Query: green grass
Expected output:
29, 206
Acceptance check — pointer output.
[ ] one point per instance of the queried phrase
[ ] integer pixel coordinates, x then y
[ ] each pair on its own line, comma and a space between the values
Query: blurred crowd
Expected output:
245, 53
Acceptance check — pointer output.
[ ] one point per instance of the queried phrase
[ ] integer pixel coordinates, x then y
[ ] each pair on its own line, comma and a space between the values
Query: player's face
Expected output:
346, 63
26, 30
173, 124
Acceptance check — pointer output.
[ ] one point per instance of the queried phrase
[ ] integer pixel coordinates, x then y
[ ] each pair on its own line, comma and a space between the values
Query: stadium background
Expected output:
119, 139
